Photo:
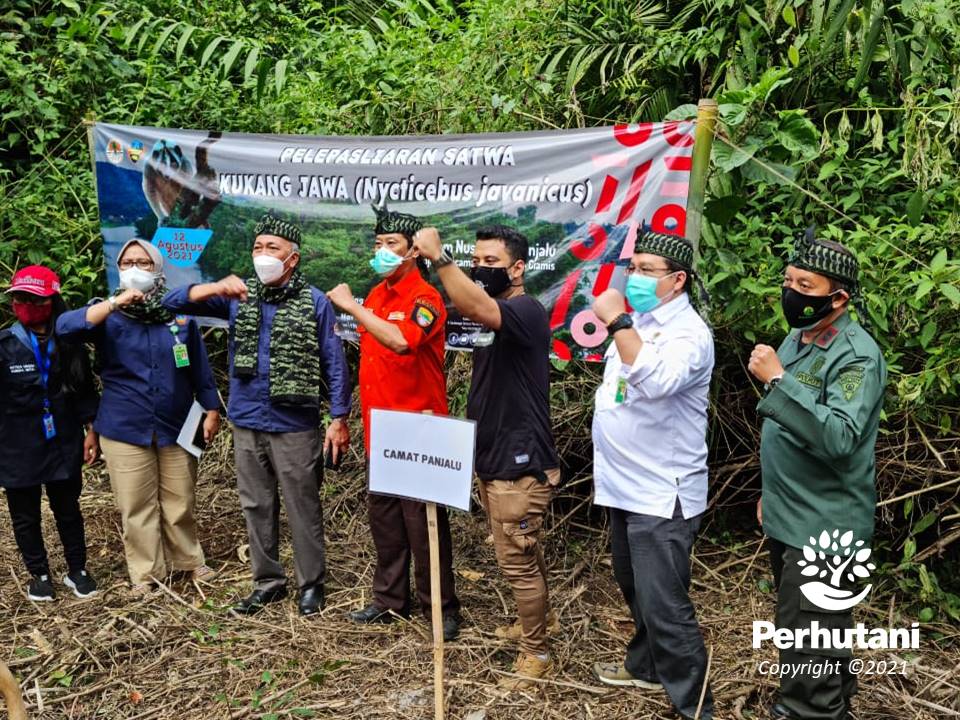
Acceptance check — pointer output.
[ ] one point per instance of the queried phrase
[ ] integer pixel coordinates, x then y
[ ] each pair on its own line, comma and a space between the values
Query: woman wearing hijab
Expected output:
153, 364
47, 398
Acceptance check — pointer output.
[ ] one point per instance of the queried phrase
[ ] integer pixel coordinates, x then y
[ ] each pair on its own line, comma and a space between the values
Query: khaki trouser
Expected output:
515, 509
154, 491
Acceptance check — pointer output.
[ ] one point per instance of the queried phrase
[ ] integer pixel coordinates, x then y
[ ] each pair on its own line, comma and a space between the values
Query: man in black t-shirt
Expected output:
510, 400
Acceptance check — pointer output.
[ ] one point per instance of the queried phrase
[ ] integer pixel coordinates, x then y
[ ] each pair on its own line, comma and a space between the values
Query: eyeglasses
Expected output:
648, 271
139, 264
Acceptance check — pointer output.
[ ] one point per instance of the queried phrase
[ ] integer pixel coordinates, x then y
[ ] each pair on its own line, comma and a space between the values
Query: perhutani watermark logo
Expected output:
833, 557
830, 557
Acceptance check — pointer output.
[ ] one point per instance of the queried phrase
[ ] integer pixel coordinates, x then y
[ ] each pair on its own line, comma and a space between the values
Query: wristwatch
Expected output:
775, 380
112, 301
444, 259
620, 322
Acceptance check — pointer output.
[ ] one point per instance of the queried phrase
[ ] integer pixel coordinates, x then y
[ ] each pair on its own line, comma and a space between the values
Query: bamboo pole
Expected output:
707, 113
10, 690
88, 122
436, 611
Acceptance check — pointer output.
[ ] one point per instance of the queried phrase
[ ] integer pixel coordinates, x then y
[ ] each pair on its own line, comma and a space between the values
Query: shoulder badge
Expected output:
850, 381
424, 315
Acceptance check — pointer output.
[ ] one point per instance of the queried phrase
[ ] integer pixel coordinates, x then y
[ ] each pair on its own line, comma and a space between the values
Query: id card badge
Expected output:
621, 393
180, 355
48, 428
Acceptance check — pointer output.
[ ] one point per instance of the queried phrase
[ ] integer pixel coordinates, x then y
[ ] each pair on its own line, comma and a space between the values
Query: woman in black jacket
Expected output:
47, 398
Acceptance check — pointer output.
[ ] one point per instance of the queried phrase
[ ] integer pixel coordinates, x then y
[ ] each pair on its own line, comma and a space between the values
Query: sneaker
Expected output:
81, 583
141, 591
530, 668
40, 589
204, 574
515, 632
614, 674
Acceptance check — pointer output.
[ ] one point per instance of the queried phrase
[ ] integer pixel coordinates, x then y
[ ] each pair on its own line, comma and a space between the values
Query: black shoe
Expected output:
254, 602
781, 712
451, 627
371, 614
41, 589
311, 600
82, 584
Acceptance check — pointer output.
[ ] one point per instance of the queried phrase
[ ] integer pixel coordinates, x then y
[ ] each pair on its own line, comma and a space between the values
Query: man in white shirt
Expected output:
650, 465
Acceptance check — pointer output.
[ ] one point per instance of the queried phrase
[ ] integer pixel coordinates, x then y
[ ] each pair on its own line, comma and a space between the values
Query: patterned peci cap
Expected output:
833, 260
389, 222
270, 224
672, 247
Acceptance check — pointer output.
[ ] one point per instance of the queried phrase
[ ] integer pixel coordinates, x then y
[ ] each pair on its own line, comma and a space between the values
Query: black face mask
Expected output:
493, 280
805, 311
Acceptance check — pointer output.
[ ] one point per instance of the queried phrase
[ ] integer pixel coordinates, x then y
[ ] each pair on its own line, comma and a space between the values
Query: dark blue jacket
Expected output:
146, 397
27, 458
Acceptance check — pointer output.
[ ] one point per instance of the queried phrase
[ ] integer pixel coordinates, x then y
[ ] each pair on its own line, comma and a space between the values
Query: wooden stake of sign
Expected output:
436, 611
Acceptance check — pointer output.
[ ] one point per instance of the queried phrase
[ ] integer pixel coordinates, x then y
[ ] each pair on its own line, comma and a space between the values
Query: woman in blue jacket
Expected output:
47, 397
153, 365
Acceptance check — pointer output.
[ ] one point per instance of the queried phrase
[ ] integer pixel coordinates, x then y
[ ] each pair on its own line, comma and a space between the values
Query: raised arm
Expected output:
468, 297
386, 333
207, 299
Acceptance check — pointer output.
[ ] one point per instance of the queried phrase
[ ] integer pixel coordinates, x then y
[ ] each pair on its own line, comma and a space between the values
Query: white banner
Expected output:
422, 457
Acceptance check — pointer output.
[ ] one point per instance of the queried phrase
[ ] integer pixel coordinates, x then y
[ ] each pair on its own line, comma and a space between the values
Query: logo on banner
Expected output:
135, 151
115, 151
181, 246
829, 558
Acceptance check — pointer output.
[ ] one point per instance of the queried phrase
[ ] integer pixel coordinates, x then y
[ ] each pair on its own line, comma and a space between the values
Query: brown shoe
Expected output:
204, 573
530, 668
515, 632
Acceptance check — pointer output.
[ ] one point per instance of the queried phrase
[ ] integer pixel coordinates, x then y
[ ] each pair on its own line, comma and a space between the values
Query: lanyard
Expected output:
43, 363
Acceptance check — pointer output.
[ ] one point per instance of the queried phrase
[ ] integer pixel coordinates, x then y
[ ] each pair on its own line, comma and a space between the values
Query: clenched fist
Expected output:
232, 287
342, 297
427, 241
608, 305
764, 363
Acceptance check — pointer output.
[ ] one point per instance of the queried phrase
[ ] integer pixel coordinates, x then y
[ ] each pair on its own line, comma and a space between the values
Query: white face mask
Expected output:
268, 268
136, 279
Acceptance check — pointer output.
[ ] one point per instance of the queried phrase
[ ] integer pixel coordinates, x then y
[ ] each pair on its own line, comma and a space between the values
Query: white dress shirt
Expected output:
650, 444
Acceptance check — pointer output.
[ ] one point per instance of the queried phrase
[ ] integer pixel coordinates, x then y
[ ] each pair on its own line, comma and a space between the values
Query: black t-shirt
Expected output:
510, 394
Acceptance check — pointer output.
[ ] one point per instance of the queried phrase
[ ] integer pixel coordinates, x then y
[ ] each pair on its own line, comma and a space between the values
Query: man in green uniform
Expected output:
821, 414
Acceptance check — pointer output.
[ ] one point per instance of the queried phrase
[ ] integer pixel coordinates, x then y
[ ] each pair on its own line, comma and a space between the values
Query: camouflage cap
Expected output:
270, 224
389, 222
672, 247
833, 259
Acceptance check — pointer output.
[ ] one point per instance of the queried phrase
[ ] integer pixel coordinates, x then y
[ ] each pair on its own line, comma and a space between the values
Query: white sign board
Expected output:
422, 457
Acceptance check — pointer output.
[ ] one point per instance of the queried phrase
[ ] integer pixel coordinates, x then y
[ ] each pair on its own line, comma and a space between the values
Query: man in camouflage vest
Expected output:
821, 413
285, 362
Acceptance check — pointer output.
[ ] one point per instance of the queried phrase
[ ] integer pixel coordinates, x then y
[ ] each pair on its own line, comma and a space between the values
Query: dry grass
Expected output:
182, 655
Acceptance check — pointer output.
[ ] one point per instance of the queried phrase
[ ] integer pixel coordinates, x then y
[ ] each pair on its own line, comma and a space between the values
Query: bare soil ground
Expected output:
182, 655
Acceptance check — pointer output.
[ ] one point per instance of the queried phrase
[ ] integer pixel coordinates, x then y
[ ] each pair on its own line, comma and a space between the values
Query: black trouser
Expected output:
399, 529
814, 694
651, 562
24, 504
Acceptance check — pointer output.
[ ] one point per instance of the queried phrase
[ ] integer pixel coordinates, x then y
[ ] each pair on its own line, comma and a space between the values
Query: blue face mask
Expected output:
385, 262
641, 292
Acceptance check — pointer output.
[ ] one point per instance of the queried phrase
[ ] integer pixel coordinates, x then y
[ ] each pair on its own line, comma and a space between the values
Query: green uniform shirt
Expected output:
818, 441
